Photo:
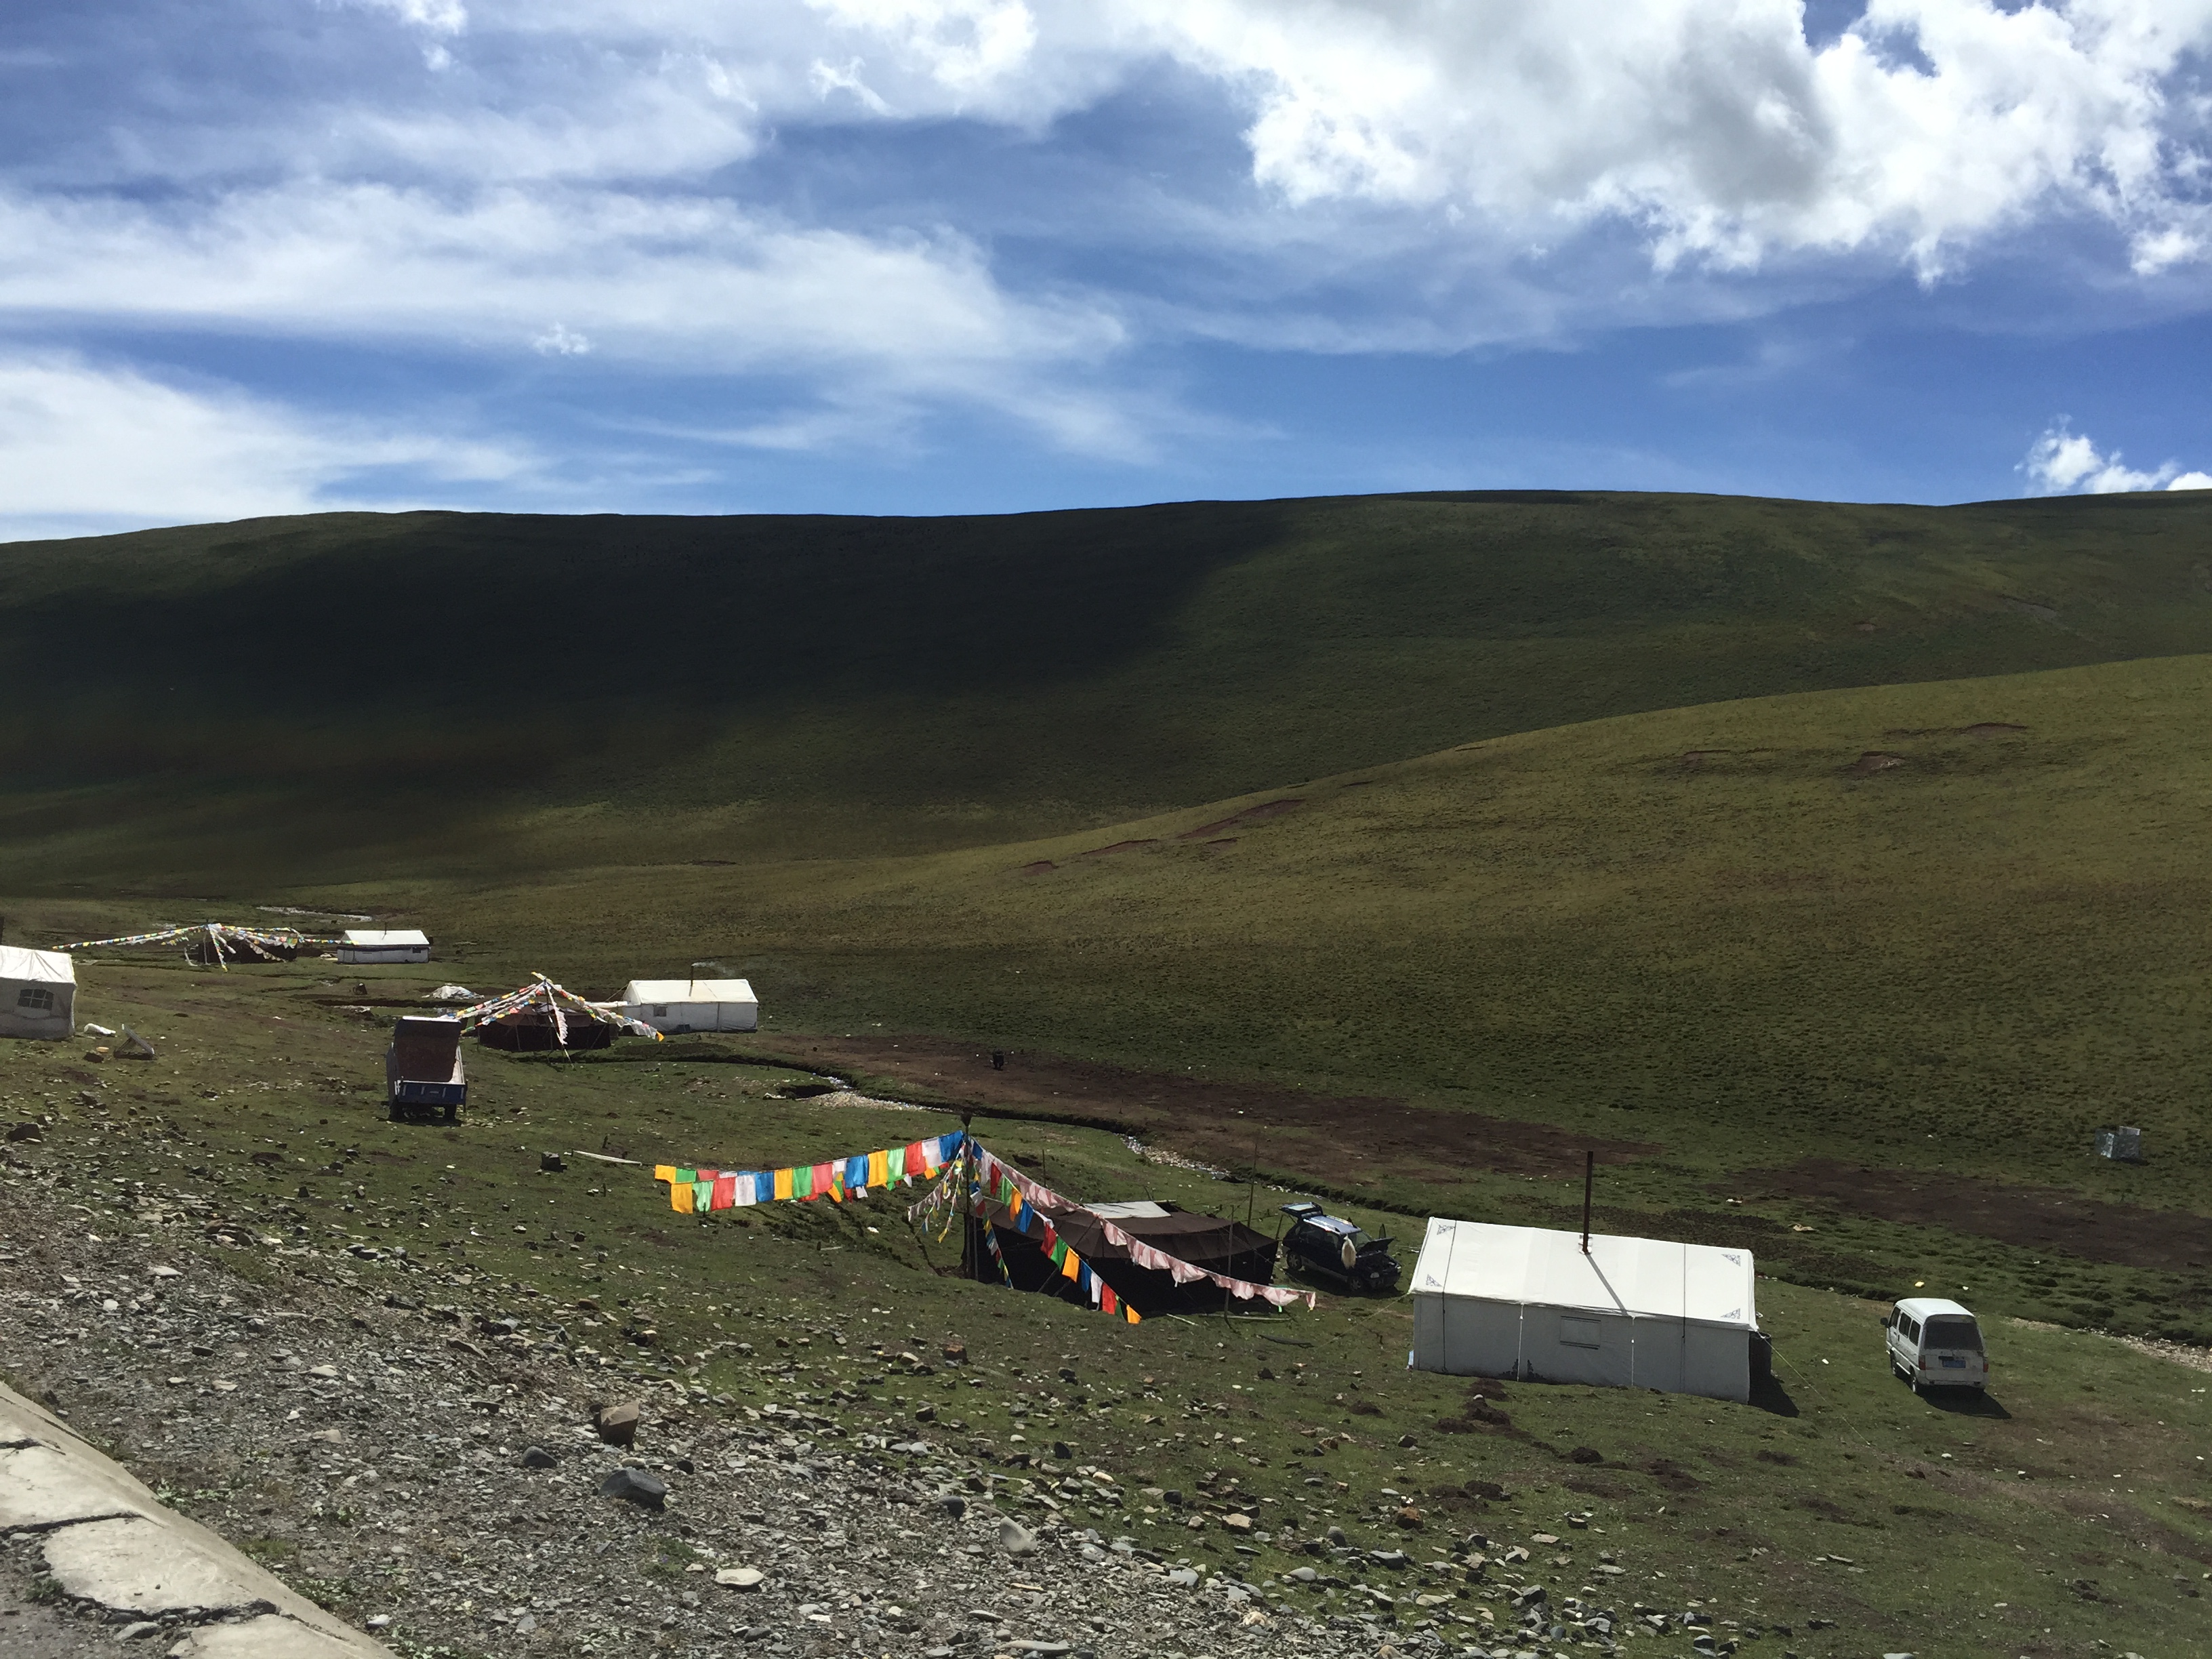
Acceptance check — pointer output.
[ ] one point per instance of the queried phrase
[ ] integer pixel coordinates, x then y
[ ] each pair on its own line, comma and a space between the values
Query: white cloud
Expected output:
437, 16
85, 447
1927, 125
561, 341
684, 284
2064, 462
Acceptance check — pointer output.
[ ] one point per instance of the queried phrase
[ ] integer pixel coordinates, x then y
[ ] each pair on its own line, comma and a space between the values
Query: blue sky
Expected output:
273, 256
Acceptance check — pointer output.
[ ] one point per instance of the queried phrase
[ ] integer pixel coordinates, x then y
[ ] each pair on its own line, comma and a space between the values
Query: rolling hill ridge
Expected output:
354, 694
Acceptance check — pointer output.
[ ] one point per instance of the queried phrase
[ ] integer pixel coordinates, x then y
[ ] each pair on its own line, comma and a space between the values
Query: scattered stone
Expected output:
741, 1578
1238, 1523
1015, 1539
616, 1424
636, 1486
537, 1457
1185, 1577
956, 1352
550, 1163
138, 1630
953, 1504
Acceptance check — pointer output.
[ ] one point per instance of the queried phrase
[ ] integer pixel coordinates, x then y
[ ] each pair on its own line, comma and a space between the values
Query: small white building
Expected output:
403, 944
38, 993
692, 1005
1526, 1302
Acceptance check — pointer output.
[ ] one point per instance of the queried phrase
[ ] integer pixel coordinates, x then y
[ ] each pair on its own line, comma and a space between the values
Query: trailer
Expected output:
422, 1068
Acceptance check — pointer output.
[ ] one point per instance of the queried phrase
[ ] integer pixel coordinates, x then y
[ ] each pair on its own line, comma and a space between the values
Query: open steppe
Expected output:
1833, 872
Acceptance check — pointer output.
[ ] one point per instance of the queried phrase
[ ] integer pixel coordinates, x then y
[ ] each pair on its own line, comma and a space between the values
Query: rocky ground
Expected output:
367, 1426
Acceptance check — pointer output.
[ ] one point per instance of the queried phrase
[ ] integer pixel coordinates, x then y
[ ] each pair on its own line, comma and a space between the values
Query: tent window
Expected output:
1578, 1333
661, 1011
33, 996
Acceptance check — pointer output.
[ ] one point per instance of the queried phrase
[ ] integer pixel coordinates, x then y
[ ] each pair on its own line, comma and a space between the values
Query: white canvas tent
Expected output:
1525, 1301
363, 945
38, 993
693, 1004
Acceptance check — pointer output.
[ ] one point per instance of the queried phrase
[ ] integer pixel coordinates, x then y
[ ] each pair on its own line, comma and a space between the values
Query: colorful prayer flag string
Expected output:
697, 1191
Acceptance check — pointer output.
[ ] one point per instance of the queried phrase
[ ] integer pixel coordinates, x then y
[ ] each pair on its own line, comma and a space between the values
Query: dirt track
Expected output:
2126, 1234
1201, 1118
1301, 1132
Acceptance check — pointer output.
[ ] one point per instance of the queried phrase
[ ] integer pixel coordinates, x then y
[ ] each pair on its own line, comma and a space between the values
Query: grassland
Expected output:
2073, 1511
1834, 872
356, 695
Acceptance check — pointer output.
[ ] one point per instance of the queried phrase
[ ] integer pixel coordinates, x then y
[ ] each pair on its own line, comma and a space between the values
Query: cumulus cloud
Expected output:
85, 447
1926, 125
1714, 126
2064, 462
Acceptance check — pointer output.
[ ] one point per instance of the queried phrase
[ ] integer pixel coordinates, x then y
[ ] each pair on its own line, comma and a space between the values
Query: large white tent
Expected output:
692, 1005
38, 993
1526, 1302
387, 944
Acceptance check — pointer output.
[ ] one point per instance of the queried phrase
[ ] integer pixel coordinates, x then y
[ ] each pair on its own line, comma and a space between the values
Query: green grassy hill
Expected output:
352, 694
1960, 922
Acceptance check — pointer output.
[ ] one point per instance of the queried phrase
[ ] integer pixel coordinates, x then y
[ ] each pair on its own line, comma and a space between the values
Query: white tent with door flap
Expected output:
692, 1005
38, 993
1528, 1302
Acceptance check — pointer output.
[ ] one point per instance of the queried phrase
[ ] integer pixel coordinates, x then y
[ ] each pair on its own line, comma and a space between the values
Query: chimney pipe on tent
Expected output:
1589, 1178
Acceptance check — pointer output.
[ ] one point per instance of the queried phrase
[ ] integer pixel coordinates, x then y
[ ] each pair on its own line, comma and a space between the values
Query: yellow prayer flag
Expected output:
679, 1195
783, 1183
879, 1168
663, 1172
1073, 1266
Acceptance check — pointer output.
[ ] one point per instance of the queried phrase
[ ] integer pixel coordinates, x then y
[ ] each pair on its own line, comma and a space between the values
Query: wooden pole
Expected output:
967, 1204
1252, 1171
1589, 1179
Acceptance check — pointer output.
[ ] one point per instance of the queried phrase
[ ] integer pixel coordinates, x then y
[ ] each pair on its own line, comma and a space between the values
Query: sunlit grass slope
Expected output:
1961, 923
351, 695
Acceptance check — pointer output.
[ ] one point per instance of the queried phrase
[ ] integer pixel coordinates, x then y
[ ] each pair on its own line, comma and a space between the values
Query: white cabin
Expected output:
405, 944
1526, 1302
671, 1005
38, 993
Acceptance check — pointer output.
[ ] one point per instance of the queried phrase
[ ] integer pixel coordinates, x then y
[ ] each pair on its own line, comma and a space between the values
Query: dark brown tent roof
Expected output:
1214, 1243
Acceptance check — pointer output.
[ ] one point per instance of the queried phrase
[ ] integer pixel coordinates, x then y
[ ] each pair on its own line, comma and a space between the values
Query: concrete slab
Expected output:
131, 1554
40, 1487
272, 1636
133, 1564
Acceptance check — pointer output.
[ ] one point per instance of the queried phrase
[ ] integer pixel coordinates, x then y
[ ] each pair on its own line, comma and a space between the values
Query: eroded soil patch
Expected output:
2044, 1216
1209, 1119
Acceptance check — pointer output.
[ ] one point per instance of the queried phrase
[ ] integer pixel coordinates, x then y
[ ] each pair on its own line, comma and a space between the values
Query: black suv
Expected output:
1329, 1247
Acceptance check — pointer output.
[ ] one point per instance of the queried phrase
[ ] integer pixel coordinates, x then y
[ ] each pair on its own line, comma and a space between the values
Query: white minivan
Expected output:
1935, 1343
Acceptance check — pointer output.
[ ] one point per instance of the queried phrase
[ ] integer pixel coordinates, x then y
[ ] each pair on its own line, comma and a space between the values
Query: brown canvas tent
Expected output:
1214, 1243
